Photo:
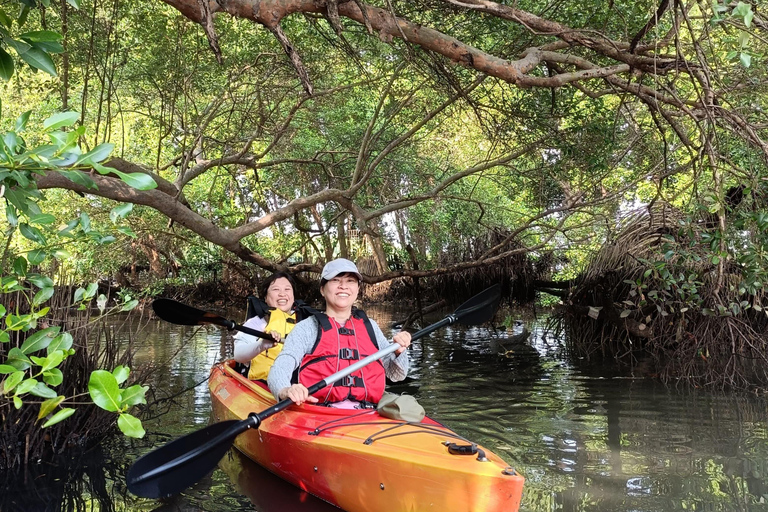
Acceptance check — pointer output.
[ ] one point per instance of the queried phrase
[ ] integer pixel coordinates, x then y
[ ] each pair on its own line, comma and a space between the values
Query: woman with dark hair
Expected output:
331, 341
276, 316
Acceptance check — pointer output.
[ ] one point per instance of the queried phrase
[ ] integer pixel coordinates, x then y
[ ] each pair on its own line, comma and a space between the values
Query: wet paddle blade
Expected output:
170, 469
181, 314
480, 308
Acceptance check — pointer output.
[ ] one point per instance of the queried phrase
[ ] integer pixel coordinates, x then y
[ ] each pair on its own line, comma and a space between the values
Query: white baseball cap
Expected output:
339, 266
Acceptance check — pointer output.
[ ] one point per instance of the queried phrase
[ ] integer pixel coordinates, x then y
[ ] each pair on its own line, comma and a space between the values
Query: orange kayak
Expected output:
363, 462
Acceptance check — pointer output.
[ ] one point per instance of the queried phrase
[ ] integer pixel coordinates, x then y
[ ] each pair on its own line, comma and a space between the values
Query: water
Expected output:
584, 440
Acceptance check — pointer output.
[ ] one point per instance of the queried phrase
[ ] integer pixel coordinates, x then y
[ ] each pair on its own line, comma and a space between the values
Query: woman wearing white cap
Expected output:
328, 342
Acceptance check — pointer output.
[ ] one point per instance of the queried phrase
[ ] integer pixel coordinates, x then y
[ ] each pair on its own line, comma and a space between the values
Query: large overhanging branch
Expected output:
611, 60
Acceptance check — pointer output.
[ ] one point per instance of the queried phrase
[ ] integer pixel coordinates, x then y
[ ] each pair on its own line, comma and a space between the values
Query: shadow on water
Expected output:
267, 492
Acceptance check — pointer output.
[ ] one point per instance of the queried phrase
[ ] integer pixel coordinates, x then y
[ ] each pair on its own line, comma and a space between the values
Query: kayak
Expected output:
361, 461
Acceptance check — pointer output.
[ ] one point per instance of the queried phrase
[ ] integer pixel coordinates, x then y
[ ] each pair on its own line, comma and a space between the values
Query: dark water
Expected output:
584, 441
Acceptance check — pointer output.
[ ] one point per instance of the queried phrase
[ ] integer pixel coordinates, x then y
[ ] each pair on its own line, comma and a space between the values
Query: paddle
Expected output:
181, 314
172, 468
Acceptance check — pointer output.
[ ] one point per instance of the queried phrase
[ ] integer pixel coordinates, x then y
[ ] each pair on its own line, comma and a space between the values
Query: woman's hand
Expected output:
403, 338
276, 336
297, 393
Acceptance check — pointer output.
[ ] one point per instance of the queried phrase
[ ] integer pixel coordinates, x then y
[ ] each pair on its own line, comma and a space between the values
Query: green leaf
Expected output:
17, 359
130, 426
38, 59
24, 13
39, 340
53, 360
12, 381
5, 19
745, 59
42, 391
49, 46
61, 342
61, 119
97, 154
6, 65
40, 281
126, 231
5, 369
53, 377
42, 218
79, 178
85, 222
31, 233
36, 256
91, 289
26, 386
20, 266
742, 9
121, 373
17, 402
134, 395
11, 215
119, 212
104, 390
41, 35
42, 296
48, 406
59, 416
128, 306
137, 180
2, 310
18, 323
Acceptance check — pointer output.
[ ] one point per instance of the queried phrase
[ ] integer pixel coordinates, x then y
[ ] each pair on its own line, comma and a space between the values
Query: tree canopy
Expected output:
288, 129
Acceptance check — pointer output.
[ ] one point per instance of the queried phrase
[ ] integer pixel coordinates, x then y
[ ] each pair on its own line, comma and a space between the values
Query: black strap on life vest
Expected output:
324, 324
257, 307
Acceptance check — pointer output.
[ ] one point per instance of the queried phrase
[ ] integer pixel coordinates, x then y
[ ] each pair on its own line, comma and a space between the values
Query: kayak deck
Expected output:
361, 461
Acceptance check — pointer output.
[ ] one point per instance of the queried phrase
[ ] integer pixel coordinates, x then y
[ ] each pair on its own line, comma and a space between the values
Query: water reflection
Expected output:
585, 441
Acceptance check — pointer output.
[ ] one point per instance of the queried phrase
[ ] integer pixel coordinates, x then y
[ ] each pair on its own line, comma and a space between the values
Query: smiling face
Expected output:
340, 293
280, 294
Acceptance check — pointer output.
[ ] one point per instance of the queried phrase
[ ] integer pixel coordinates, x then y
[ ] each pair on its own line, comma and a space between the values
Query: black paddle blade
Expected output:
181, 314
480, 308
172, 468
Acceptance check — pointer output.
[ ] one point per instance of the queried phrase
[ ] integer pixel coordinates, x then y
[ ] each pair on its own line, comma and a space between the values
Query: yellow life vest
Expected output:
281, 322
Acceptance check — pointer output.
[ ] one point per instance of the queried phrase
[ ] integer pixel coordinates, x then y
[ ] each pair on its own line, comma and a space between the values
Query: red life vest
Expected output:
338, 347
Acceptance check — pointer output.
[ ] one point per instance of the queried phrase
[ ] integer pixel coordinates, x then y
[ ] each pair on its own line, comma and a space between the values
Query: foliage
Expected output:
32, 367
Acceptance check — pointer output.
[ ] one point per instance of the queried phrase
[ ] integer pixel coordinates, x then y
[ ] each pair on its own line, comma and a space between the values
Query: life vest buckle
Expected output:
346, 332
351, 382
349, 353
